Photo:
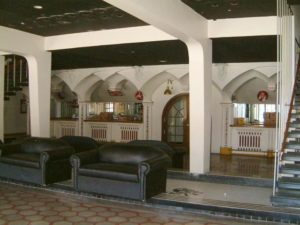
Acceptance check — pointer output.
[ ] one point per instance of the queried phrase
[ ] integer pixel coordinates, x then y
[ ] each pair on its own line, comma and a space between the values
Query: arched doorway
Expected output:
175, 128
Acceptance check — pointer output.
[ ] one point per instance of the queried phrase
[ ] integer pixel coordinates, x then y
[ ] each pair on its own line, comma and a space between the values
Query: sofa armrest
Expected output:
10, 149
87, 157
156, 163
56, 154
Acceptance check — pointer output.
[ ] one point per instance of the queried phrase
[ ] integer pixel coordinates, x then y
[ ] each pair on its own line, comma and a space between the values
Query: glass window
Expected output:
254, 113
109, 107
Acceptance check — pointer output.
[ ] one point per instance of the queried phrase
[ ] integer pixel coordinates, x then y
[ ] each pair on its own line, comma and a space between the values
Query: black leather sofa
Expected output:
122, 170
36, 160
80, 143
159, 144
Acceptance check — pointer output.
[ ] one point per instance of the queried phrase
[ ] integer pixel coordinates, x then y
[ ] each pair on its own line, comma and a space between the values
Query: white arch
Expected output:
85, 85
231, 87
152, 84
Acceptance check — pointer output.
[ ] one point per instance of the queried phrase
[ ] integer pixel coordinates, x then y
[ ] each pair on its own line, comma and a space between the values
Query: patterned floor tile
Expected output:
24, 205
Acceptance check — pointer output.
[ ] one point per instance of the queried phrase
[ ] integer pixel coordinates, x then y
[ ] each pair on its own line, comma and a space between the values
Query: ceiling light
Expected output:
228, 10
37, 6
214, 5
234, 3
22, 23
163, 61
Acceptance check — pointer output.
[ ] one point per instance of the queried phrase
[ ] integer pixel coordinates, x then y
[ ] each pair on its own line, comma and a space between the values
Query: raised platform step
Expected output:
289, 183
290, 169
291, 156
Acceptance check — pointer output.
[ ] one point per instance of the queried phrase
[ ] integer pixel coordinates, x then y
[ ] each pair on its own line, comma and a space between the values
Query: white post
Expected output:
200, 112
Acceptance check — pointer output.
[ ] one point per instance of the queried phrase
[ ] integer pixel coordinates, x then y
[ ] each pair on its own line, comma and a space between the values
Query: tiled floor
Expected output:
241, 165
22, 205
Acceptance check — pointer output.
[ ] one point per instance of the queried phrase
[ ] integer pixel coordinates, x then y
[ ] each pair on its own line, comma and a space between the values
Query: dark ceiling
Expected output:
147, 53
220, 9
69, 16
245, 49
225, 50
63, 16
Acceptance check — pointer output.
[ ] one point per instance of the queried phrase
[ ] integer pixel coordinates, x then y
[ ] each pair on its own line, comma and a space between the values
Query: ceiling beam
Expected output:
106, 37
240, 27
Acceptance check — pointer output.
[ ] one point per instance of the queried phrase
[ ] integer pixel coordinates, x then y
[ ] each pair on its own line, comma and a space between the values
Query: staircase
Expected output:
16, 75
288, 183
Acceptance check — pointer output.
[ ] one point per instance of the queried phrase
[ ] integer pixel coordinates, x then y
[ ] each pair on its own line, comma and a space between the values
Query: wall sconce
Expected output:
169, 88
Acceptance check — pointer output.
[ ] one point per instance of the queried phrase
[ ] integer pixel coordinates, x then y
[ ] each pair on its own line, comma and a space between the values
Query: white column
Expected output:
227, 120
200, 113
80, 118
2, 71
147, 120
39, 93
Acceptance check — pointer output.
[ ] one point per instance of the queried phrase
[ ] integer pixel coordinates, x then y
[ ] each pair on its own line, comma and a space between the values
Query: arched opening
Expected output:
175, 129
16, 100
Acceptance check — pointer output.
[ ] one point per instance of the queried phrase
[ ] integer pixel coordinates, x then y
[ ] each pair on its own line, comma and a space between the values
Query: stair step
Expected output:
295, 124
17, 88
293, 144
10, 93
290, 169
295, 115
291, 156
23, 84
285, 201
296, 106
288, 193
294, 134
289, 183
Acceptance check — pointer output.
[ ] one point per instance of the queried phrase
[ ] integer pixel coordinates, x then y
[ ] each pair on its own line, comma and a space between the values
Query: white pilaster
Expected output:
39, 92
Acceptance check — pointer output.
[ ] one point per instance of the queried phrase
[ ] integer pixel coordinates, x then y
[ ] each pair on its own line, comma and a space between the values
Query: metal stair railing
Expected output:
286, 131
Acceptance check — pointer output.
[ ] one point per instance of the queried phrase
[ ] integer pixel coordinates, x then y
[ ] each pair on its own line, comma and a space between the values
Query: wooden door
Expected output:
175, 126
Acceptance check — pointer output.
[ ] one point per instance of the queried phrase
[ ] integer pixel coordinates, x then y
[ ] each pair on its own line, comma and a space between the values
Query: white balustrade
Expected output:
65, 128
252, 139
116, 132
99, 131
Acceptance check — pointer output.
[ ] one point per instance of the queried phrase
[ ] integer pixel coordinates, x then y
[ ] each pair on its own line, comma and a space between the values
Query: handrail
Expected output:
291, 108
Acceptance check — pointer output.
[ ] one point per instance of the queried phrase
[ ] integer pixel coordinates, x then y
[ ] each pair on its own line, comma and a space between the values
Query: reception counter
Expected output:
114, 131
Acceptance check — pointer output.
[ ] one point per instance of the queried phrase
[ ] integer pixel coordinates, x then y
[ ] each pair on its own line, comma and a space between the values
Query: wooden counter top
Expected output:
112, 121
65, 119
254, 126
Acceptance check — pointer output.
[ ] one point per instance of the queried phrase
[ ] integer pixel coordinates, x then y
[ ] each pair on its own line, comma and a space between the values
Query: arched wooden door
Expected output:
175, 127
